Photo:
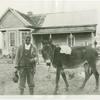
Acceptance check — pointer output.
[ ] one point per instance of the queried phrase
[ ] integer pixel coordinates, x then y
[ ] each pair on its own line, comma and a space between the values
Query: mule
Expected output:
83, 54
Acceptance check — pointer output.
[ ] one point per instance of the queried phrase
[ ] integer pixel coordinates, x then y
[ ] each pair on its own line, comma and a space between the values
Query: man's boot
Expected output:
31, 91
21, 91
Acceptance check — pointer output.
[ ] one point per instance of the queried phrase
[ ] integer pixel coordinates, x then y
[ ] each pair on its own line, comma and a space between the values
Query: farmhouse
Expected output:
71, 28
14, 26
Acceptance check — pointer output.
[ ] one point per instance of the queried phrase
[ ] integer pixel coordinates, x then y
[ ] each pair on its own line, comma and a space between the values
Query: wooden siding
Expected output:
79, 39
18, 39
10, 21
82, 39
5, 43
60, 39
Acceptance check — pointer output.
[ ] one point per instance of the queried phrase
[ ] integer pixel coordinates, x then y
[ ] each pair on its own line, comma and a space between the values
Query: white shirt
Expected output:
27, 47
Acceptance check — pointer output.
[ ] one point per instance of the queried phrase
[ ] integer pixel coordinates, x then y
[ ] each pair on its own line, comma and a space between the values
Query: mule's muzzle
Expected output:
48, 62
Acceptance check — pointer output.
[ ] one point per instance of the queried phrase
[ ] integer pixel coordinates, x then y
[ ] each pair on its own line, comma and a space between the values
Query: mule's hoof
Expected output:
96, 90
55, 92
67, 89
80, 88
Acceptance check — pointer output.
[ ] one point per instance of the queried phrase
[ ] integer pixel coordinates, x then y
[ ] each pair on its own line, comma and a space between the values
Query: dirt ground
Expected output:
44, 85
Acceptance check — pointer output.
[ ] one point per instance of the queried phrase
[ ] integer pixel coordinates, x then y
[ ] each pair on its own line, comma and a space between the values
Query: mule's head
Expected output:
49, 50
46, 50
46, 43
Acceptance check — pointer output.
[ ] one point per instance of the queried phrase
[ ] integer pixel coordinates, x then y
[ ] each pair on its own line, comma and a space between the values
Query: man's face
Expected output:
28, 40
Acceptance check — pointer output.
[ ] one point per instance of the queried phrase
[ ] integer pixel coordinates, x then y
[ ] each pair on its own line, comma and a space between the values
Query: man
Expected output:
26, 58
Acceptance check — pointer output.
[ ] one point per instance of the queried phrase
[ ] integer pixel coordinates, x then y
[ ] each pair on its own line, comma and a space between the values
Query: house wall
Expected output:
11, 24
10, 21
5, 43
7, 47
59, 39
82, 39
19, 37
97, 38
79, 39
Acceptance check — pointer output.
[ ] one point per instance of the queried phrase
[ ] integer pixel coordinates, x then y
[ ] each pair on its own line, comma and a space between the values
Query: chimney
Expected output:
30, 14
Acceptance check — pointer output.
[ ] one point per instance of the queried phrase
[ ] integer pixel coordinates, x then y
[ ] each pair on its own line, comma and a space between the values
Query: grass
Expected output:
45, 85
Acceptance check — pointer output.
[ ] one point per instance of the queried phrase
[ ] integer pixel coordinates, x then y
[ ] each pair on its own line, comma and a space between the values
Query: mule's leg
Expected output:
64, 78
96, 74
58, 70
49, 73
88, 73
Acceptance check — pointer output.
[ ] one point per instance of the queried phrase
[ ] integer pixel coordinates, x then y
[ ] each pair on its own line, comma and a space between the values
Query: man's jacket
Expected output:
19, 55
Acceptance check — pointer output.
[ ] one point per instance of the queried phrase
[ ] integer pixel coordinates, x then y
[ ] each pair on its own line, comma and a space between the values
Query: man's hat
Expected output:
28, 36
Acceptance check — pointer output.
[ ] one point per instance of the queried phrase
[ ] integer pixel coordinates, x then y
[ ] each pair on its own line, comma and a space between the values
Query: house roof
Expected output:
16, 14
70, 22
70, 19
35, 20
65, 29
56, 19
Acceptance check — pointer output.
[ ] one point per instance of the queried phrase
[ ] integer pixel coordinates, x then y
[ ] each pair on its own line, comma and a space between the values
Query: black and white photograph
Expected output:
49, 47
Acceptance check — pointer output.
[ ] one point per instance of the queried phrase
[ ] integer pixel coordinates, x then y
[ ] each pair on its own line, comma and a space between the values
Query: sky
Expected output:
49, 6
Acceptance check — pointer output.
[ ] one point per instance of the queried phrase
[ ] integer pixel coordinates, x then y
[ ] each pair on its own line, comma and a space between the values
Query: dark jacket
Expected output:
19, 55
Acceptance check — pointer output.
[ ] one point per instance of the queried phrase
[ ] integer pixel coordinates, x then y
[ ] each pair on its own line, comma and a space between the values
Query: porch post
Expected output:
17, 38
31, 35
50, 36
41, 40
67, 39
71, 36
92, 38
33, 39
74, 40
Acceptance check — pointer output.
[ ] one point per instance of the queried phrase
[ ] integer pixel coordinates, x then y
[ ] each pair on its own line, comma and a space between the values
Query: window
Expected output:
12, 39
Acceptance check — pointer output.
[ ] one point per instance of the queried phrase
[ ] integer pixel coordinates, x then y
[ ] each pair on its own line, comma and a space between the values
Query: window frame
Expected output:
12, 39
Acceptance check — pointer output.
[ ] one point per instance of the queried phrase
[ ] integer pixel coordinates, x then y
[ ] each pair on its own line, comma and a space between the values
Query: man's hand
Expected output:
16, 69
32, 60
35, 59
34, 69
